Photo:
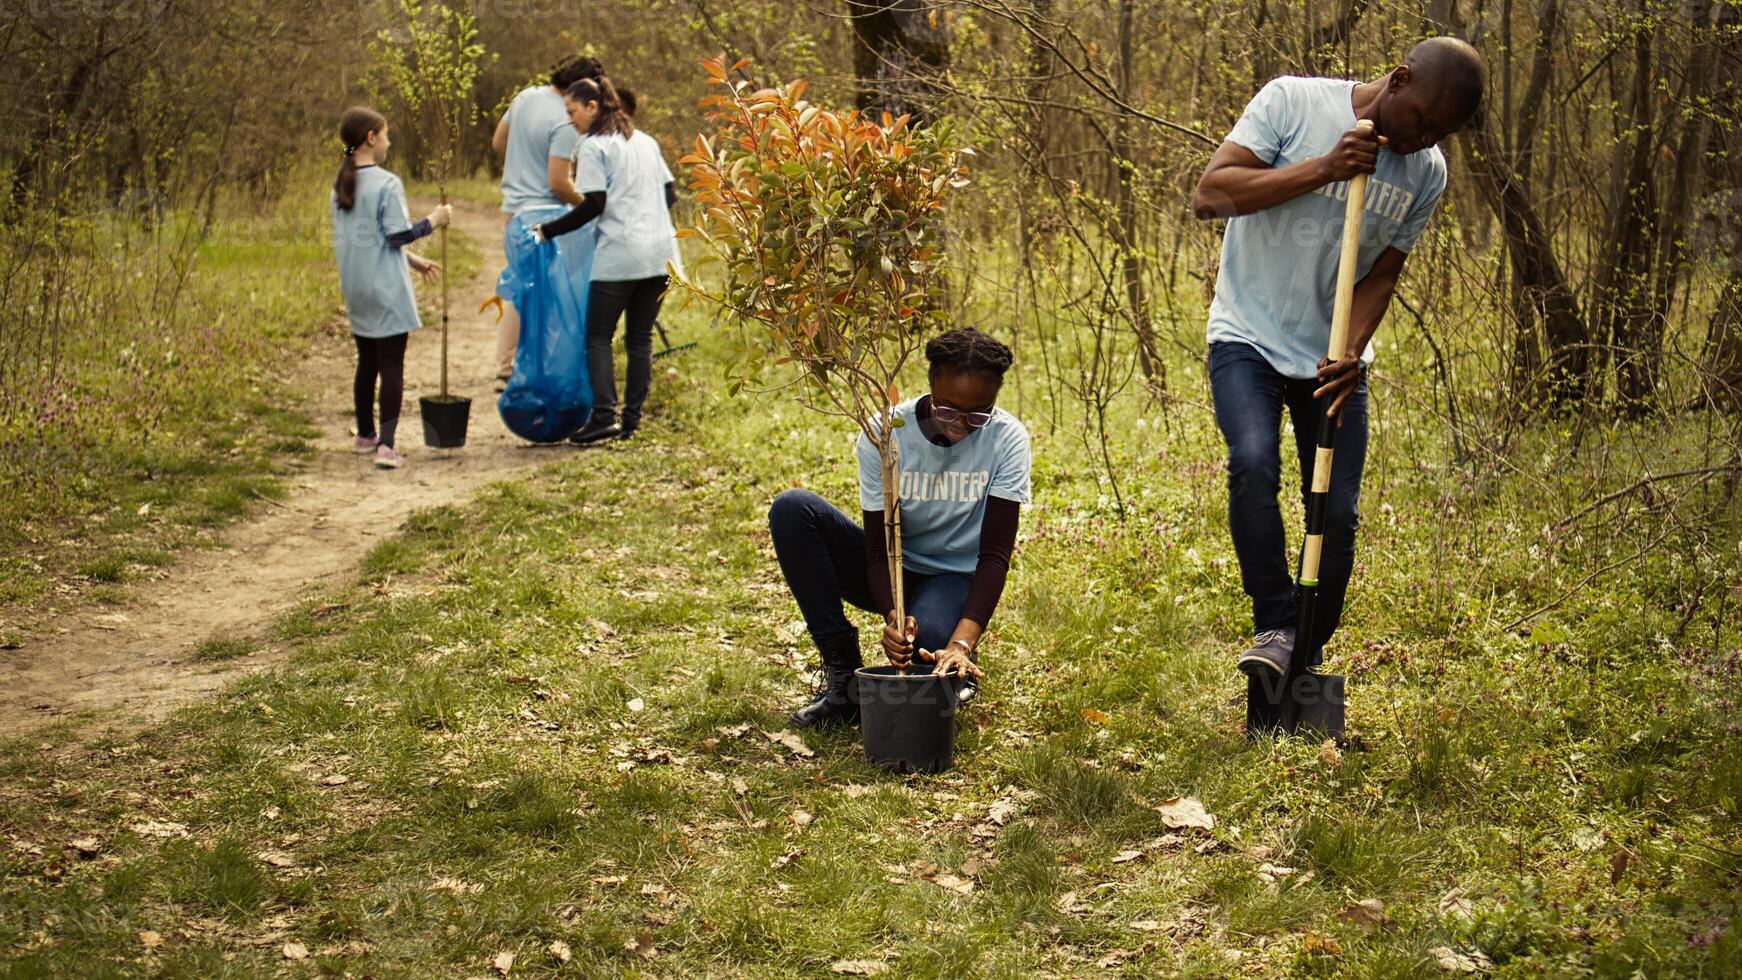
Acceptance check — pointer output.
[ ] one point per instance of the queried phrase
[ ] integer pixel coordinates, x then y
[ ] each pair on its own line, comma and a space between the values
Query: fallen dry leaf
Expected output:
559, 951
336, 779
859, 968
1126, 857
801, 819
793, 743
1094, 716
1146, 925
158, 828
1318, 942
150, 939
86, 846
1329, 754
952, 883
1001, 811
1270, 872
635, 705
458, 886
855, 790
1455, 906
782, 860
739, 786
503, 962
277, 859
1461, 961
641, 945
293, 950
1368, 913
1185, 811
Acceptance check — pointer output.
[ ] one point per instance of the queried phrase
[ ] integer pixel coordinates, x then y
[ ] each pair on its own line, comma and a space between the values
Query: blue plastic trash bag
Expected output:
549, 396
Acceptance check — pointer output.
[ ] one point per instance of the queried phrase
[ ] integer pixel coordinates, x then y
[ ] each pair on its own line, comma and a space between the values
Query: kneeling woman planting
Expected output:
964, 478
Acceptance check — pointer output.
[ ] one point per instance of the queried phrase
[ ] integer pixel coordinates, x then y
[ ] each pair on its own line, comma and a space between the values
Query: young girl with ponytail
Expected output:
371, 227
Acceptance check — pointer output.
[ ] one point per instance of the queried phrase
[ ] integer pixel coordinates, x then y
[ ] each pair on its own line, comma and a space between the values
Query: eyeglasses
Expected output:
947, 415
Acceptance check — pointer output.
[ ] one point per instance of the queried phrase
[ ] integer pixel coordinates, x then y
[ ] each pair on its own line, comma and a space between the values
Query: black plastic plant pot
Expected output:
907, 721
444, 420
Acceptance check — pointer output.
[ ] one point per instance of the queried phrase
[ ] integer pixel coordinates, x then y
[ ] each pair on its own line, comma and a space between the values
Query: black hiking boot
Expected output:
592, 434
836, 701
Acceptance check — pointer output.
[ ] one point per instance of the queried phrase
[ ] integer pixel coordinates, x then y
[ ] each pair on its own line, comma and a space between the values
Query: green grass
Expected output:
225, 648
1561, 797
182, 453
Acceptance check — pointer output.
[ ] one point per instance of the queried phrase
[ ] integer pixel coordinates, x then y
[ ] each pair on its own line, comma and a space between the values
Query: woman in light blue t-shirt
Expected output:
964, 478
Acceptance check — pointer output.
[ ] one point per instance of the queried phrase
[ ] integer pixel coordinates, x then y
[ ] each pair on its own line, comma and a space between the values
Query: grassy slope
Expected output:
1563, 801
233, 424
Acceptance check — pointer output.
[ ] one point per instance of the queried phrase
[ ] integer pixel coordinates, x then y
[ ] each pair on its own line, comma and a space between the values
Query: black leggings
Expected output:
607, 301
384, 356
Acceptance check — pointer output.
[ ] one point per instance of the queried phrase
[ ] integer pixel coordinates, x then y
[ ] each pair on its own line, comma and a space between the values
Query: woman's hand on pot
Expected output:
953, 659
898, 643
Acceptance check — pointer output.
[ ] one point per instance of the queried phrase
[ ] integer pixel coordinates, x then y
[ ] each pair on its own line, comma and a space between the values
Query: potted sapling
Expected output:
432, 65
826, 228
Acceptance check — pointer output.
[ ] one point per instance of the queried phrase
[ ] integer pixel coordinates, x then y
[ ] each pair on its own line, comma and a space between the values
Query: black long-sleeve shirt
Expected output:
592, 205
400, 239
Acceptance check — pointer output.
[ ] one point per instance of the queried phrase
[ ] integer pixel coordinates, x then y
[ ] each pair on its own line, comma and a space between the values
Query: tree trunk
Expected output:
1622, 299
1130, 264
900, 48
1722, 367
1566, 370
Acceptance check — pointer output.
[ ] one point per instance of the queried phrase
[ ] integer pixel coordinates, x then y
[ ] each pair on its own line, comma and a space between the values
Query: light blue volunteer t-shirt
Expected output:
944, 488
1279, 266
538, 129
636, 238
374, 277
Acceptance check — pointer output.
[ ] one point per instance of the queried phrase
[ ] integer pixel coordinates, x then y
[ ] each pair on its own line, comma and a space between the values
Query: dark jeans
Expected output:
1249, 396
382, 357
822, 555
606, 301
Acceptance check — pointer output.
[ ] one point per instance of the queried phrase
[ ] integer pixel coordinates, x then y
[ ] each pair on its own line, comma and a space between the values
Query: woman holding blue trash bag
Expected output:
537, 144
627, 192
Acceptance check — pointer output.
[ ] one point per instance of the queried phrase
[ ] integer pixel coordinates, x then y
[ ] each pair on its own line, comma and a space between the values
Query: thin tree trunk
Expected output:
1130, 264
1566, 375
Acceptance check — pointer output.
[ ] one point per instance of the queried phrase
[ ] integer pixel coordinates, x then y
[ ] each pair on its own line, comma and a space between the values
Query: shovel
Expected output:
1303, 700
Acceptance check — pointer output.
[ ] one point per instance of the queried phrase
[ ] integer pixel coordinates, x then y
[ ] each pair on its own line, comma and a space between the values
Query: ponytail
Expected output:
611, 117
355, 126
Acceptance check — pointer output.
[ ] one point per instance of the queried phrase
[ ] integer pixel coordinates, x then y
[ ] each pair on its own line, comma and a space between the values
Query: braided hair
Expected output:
967, 351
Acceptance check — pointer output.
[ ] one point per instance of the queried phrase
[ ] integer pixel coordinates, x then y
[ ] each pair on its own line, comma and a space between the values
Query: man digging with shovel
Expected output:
1282, 178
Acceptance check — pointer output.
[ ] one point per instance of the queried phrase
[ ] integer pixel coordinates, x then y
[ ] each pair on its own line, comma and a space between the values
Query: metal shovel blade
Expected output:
1301, 703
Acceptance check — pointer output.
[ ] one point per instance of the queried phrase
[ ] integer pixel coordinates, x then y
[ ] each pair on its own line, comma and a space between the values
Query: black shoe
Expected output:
837, 701
591, 434
1270, 654
968, 691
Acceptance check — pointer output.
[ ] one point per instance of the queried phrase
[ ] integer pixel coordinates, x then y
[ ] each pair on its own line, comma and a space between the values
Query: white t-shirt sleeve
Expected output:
870, 474
563, 139
1011, 471
1421, 210
393, 213
591, 170
1265, 126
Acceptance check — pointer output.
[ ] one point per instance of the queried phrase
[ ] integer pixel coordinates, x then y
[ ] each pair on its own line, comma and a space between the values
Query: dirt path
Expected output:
131, 664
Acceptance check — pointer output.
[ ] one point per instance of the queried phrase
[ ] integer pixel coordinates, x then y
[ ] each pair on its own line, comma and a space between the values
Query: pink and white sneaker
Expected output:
363, 447
387, 459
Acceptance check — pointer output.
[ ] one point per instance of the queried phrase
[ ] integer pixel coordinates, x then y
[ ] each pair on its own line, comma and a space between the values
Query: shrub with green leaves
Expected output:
828, 229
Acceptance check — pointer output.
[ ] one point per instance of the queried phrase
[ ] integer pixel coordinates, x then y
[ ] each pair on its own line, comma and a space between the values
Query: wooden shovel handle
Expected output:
1345, 300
